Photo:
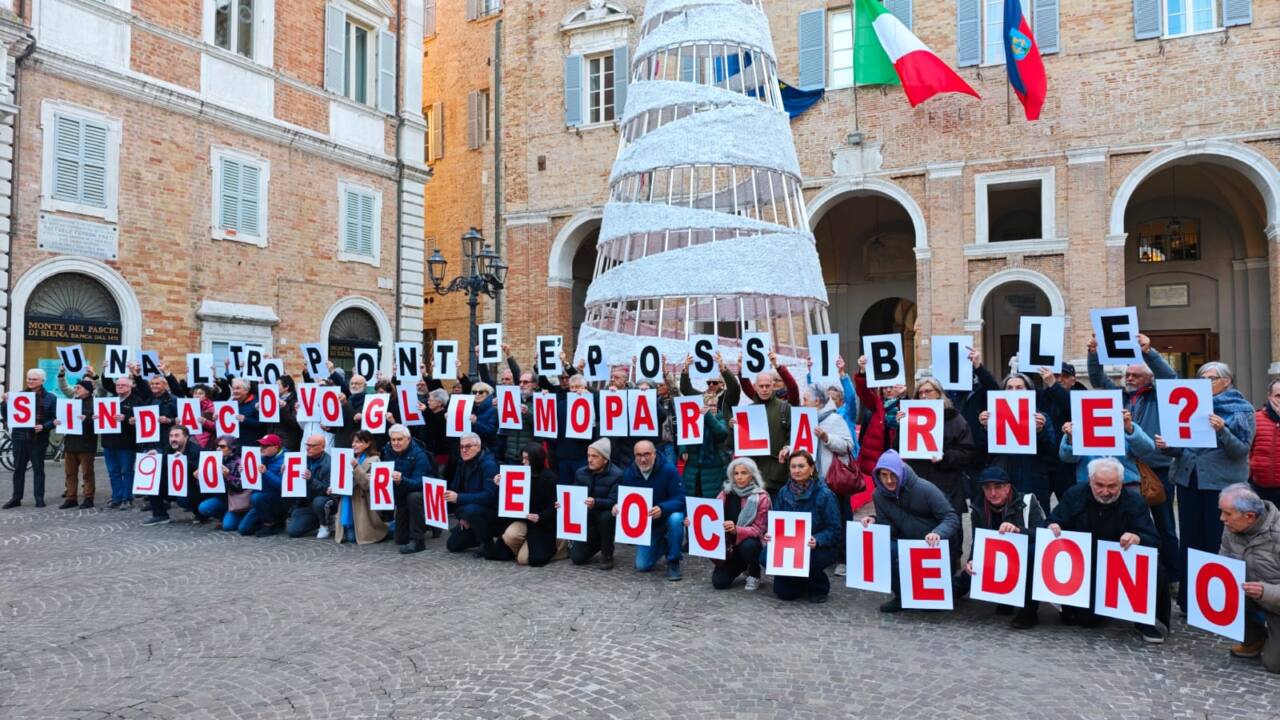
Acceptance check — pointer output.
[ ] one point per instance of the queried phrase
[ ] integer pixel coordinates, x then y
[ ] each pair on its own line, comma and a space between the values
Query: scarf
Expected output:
751, 501
1231, 406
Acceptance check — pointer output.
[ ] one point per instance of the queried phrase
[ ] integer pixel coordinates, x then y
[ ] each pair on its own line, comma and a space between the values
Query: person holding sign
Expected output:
228, 509
356, 522
179, 444
1108, 510
914, 509
1136, 444
474, 496
532, 541
1005, 510
79, 449
157, 393
880, 430
947, 471
311, 514
30, 436
1252, 534
118, 448
484, 416
412, 463
251, 428
601, 478
704, 466
1264, 454
762, 391
266, 507
806, 493
1200, 473
746, 515
648, 470
1030, 474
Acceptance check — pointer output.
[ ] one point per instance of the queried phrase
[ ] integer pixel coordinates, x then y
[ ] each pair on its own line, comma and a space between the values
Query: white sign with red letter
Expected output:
633, 526
613, 413
211, 481
70, 421
407, 399
373, 418
571, 517
189, 414
292, 484
226, 419
1097, 423
750, 431
1185, 407
458, 422
920, 429
146, 424
788, 550
251, 468
1215, 595
1126, 586
381, 496
341, 473
1011, 422
642, 410
513, 491
21, 411
544, 416
869, 557
308, 403
146, 473
689, 422
804, 420
579, 416
268, 404
178, 475
706, 528
999, 567
330, 406
509, 416
105, 411
434, 508
925, 574
1063, 568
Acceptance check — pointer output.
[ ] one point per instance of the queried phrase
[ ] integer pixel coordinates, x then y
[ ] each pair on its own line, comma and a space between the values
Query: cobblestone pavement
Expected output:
103, 618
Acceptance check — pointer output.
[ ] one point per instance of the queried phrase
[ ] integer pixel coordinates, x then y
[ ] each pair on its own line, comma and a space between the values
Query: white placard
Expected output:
690, 424
408, 358
869, 557
341, 474
750, 431
458, 416
925, 575
885, 364
1097, 423
571, 517
614, 420
755, 353
1040, 341
999, 567
579, 416
1215, 596
920, 429
951, 364
633, 526
788, 551
444, 360
146, 473
824, 349
1011, 422
1126, 586
547, 356
292, 484
804, 421
508, 399
703, 349
642, 413
69, 416
1185, 407
514, 486
490, 343
706, 528
1063, 568
1116, 330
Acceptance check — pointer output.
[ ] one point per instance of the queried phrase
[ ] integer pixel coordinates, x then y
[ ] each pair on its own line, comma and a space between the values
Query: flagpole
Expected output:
854, 18
1008, 108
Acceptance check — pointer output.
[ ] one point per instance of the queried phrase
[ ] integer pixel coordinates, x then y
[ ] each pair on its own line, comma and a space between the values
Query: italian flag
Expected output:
885, 52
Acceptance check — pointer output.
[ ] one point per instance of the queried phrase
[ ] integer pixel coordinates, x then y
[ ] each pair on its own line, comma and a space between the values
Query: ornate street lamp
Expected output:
487, 275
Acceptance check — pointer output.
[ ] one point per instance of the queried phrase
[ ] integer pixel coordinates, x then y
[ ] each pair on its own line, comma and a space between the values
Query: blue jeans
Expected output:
120, 471
661, 543
216, 507
306, 518
264, 508
1170, 558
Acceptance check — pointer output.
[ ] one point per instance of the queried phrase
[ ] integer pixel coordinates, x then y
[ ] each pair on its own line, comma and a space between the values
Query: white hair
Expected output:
1244, 498
38, 372
398, 429
1108, 463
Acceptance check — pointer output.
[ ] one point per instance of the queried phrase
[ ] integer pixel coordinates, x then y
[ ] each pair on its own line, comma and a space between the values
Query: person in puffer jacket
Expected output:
1264, 455
805, 492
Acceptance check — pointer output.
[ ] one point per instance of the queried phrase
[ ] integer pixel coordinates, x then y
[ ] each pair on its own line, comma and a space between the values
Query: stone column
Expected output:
1273, 256
943, 297
1089, 243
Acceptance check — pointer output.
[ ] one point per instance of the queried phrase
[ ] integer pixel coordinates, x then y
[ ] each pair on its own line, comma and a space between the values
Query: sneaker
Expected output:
840, 570
1149, 633
87, 504
68, 504
267, 531
323, 532
13, 503
1249, 649
892, 605
606, 562
753, 584
673, 571
156, 520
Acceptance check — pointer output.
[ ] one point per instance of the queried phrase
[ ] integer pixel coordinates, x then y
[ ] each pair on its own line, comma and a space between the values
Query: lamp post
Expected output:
487, 275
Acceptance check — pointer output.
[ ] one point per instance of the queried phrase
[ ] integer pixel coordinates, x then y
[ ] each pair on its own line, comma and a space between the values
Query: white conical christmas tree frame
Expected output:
705, 230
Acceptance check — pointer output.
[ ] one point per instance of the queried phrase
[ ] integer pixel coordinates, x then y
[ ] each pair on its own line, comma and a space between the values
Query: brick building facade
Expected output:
192, 174
1150, 180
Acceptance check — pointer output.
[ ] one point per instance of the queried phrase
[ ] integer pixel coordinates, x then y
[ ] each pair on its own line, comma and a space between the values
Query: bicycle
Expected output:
55, 450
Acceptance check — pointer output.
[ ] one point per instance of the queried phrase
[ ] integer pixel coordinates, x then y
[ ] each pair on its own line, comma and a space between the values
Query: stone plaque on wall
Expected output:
77, 237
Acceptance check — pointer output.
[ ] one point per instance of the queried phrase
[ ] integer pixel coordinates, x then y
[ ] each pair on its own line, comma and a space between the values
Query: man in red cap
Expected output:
266, 507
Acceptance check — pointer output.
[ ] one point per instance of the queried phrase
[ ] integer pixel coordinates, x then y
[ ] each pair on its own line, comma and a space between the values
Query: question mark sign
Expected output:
1188, 401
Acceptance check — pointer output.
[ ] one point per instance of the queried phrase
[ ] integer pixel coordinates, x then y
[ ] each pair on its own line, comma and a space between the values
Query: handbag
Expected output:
1150, 485
843, 479
238, 501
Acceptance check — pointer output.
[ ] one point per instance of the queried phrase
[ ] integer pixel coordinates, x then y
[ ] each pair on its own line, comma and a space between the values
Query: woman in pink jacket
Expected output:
746, 509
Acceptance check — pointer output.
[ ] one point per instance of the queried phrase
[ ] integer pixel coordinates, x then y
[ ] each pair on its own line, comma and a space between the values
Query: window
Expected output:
840, 48
360, 55
426, 135
477, 118
600, 89
359, 67
1183, 17
81, 161
1014, 206
1169, 239
435, 131
482, 8
993, 29
239, 197
233, 26
359, 211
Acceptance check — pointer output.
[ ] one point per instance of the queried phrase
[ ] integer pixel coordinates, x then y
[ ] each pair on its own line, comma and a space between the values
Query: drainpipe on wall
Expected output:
395, 305
14, 334
497, 155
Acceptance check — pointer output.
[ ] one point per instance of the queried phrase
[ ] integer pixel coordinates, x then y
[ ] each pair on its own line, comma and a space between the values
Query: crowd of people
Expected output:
1218, 500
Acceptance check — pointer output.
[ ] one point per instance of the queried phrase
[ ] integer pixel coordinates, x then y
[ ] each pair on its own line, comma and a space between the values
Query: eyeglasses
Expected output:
1210, 378
223, 446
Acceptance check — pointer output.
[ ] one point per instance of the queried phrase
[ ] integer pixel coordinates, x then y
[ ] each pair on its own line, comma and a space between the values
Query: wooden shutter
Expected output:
1236, 12
250, 187
968, 32
621, 74
437, 130
335, 50
573, 90
473, 9
813, 50
366, 238
473, 119
79, 161
1146, 19
229, 196
901, 9
1045, 19
66, 158
428, 18
386, 72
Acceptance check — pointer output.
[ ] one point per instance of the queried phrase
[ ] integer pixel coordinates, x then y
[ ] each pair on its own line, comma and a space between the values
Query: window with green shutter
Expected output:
359, 233
240, 196
80, 161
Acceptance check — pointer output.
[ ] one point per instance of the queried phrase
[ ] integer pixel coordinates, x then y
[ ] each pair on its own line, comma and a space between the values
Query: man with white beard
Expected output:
1108, 510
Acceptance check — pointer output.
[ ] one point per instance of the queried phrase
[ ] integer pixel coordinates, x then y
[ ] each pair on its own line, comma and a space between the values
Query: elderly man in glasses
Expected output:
474, 495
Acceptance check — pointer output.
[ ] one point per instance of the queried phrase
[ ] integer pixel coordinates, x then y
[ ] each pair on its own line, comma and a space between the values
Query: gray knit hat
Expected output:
602, 446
